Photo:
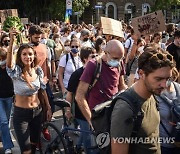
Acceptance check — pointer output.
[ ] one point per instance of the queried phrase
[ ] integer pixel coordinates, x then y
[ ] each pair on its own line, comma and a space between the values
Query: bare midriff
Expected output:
27, 101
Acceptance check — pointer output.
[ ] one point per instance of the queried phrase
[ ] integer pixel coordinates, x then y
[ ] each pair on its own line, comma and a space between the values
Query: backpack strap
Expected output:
177, 88
72, 57
67, 58
96, 74
135, 106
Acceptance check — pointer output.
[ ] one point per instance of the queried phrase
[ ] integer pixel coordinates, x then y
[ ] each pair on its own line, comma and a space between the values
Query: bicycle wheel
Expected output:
56, 143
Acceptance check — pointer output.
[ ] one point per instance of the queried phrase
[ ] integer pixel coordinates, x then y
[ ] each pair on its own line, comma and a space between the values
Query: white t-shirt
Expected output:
69, 67
128, 44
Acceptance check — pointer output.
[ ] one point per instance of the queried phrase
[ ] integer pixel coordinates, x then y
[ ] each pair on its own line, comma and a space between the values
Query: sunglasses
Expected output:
161, 56
93, 56
74, 46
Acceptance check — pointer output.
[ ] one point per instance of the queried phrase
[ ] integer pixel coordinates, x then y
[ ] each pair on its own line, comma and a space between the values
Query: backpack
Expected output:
101, 119
97, 73
175, 114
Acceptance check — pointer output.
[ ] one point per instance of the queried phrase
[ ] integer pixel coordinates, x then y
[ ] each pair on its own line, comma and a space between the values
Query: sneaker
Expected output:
8, 151
46, 134
38, 146
53, 119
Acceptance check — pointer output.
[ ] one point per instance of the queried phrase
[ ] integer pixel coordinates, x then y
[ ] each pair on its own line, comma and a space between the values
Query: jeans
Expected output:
85, 138
27, 125
50, 97
5, 110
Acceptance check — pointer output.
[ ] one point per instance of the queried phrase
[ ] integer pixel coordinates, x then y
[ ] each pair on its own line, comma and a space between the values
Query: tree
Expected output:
165, 4
80, 5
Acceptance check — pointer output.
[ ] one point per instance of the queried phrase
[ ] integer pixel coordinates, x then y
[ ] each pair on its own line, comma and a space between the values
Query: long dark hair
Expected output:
19, 52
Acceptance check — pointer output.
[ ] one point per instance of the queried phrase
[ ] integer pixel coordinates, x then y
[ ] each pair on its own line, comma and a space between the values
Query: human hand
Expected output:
49, 114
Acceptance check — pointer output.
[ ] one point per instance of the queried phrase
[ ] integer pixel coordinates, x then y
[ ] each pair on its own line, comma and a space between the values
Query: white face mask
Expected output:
43, 41
103, 47
57, 40
2, 62
67, 48
141, 49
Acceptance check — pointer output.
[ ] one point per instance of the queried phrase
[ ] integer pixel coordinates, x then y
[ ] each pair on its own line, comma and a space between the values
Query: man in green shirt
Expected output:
155, 68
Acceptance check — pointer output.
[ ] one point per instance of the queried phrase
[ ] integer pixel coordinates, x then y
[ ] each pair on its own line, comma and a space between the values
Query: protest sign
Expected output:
149, 24
25, 21
112, 27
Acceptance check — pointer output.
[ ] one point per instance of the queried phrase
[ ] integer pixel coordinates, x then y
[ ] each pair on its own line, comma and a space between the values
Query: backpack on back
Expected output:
175, 115
101, 119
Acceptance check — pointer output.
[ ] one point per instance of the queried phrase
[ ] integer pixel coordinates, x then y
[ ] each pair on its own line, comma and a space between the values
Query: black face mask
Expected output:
85, 39
6, 43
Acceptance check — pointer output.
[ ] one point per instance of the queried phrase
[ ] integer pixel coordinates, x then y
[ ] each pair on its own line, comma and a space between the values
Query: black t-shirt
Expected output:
6, 84
72, 87
175, 52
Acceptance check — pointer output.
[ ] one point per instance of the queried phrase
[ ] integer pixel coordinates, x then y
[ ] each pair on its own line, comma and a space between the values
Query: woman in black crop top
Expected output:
6, 100
27, 79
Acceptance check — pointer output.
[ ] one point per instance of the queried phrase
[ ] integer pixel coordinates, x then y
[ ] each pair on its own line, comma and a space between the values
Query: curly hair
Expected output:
153, 58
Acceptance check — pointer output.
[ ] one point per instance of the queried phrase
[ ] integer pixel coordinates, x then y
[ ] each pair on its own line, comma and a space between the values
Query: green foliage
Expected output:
12, 21
57, 9
165, 4
80, 5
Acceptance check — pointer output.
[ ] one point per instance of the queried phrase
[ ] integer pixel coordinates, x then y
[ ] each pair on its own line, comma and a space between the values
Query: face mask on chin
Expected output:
3, 62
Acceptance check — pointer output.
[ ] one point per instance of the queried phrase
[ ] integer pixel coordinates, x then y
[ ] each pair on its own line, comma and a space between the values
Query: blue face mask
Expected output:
113, 63
74, 50
2, 62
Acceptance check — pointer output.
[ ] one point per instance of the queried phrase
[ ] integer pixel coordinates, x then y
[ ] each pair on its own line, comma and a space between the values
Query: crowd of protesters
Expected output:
60, 57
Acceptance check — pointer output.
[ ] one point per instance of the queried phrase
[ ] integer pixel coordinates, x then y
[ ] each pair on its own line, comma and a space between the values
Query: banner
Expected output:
112, 27
149, 24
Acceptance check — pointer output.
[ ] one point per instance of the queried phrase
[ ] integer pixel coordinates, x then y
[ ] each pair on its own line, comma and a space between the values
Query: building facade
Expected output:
122, 10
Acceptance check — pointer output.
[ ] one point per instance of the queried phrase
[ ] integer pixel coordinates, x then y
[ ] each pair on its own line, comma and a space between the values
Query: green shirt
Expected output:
122, 129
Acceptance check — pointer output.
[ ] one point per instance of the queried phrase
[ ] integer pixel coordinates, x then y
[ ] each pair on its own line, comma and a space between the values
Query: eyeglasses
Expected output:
74, 46
162, 56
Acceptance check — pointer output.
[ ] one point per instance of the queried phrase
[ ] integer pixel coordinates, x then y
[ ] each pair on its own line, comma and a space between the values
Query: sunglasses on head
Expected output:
162, 56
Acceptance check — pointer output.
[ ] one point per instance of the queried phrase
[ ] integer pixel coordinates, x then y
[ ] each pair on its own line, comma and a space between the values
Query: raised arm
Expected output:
10, 57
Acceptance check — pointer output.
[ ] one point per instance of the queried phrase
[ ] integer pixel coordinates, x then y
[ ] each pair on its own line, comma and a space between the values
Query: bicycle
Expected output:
61, 142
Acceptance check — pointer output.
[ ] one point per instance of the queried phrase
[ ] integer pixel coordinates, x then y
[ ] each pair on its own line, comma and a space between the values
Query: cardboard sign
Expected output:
149, 24
25, 20
112, 27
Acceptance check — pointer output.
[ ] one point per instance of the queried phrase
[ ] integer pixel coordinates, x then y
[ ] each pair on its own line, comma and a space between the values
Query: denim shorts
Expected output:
27, 125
